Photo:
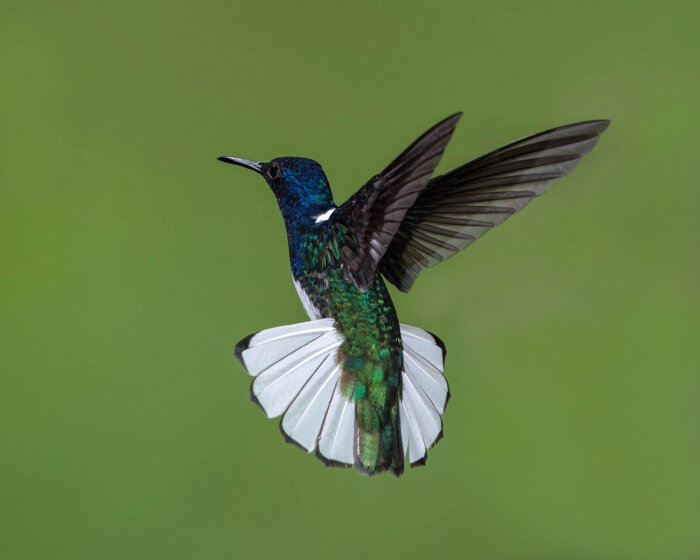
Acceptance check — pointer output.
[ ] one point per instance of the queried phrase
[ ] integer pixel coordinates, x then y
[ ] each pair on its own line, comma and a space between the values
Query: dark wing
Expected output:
365, 225
457, 208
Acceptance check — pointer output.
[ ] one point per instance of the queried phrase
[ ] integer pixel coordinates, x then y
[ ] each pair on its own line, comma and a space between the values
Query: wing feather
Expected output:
367, 223
457, 208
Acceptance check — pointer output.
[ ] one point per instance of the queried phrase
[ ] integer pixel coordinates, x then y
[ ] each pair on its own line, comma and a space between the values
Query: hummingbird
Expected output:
354, 384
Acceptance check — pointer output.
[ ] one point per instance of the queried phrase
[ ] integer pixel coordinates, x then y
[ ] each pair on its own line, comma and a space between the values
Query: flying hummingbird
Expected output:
353, 383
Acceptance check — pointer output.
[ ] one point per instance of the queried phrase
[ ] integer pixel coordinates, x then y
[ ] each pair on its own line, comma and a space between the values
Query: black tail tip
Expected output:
241, 346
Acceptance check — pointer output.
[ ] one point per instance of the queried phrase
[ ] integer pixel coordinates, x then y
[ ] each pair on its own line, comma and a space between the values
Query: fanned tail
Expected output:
299, 374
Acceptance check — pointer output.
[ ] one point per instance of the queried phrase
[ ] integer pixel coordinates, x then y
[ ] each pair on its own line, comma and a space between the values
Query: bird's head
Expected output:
299, 184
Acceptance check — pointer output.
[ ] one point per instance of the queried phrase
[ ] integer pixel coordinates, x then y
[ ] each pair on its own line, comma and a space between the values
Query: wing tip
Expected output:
604, 124
451, 119
596, 126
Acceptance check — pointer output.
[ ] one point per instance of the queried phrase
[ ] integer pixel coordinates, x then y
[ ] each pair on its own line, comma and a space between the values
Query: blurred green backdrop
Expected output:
132, 261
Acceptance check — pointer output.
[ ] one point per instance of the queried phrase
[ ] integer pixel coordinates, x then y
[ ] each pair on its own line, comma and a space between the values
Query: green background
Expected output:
131, 262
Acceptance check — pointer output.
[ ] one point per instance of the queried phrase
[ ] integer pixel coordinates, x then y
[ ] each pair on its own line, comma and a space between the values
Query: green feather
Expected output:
371, 355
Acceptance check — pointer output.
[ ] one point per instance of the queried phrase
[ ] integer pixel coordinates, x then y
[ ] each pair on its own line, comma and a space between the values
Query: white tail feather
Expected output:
429, 378
284, 358
336, 442
410, 433
297, 374
425, 392
276, 386
428, 418
303, 420
269, 346
424, 344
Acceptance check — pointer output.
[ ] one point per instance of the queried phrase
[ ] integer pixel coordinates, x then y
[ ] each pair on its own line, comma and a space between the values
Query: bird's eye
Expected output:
273, 171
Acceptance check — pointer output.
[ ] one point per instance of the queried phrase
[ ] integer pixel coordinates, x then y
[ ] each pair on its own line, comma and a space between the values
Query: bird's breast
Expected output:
311, 310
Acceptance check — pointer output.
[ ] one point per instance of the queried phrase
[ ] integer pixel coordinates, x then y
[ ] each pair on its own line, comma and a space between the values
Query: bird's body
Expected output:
371, 350
353, 383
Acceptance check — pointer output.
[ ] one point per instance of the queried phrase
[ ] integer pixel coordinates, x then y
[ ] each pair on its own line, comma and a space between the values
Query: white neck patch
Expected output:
324, 217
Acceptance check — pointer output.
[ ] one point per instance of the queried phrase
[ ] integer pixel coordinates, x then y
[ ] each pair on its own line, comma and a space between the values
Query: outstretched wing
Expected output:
457, 208
366, 224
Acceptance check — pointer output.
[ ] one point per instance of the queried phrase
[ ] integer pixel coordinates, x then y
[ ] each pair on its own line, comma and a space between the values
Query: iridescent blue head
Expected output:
299, 184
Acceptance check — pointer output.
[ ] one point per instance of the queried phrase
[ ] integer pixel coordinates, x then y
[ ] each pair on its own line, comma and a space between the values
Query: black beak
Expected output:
254, 165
